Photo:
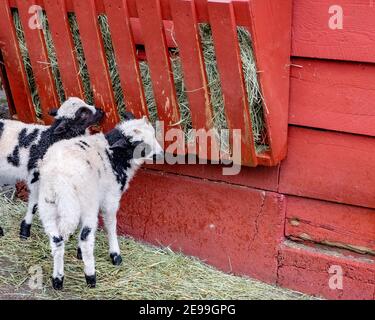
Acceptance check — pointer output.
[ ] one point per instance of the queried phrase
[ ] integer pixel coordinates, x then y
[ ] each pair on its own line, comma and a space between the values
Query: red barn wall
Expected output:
290, 224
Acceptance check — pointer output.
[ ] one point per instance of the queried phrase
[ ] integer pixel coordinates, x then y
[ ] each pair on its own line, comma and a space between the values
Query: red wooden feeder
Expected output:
271, 42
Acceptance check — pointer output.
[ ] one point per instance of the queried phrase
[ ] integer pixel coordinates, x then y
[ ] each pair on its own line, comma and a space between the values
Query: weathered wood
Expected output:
126, 57
224, 31
96, 60
159, 62
333, 95
330, 166
313, 37
331, 224
217, 225
14, 66
39, 60
64, 48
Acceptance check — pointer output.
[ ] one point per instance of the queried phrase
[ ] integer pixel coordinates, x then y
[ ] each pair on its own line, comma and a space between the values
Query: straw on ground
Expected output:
146, 273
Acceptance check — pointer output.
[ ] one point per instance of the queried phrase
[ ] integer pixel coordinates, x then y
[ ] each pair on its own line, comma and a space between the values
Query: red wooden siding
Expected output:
330, 223
312, 36
332, 95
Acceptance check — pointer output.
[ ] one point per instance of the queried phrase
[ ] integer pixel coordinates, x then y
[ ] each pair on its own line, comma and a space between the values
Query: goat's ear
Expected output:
53, 112
128, 116
119, 144
60, 128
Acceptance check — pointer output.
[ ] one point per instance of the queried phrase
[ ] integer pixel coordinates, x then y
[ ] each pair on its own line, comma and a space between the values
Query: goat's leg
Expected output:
110, 224
86, 246
57, 248
32, 207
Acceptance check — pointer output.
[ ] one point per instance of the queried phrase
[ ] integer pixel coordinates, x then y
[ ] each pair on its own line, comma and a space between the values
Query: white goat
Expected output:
22, 146
80, 177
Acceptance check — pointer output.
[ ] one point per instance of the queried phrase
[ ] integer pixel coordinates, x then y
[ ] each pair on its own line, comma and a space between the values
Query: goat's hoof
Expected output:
57, 283
91, 281
116, 259
1, 232
79, 253
25, 230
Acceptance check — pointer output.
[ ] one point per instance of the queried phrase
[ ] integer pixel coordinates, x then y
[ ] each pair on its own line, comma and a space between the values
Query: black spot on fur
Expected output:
58, 241
35, 208
85, 233
48, 138
14, 158
79, 253
91, 281
25, 140
120, 157
81, 146
35, 177
58, 283
49, 201
1, 128
116, 259
25, 230
85, 143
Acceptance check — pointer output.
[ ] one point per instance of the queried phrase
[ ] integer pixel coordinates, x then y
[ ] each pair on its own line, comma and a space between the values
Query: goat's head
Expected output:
75, 116
138, 136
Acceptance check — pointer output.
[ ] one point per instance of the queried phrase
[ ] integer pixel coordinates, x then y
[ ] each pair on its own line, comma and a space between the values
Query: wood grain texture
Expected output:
14, 66
333, 95
330, 166
208, 220
332, 224
40, 62
64, 48
312, 36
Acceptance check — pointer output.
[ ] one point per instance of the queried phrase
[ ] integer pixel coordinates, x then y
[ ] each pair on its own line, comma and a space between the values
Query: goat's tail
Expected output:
63, 205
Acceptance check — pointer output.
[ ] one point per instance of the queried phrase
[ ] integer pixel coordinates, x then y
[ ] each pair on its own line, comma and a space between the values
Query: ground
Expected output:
146, 273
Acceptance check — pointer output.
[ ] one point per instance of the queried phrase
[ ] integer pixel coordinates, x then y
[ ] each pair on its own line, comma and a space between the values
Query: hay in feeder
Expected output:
255, 100
146, 273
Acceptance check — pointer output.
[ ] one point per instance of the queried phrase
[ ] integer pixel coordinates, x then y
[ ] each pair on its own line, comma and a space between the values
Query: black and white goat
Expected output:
80, 177
22, 146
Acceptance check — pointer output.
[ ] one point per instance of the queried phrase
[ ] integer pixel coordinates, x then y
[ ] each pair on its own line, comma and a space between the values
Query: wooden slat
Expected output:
312, 36
270, 25
6, 86
159, 62
333, 95
40, 62
224, 30
332, 224
14, 66
190, 51
96, 60
330, 166
126, 57
64, 48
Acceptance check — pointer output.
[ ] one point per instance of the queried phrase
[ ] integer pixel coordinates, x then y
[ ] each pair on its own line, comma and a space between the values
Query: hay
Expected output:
255, 101
146, 273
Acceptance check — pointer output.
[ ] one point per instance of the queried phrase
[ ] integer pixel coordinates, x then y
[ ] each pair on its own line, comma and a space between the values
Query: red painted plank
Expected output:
96, 60
39, 61
333, 95
224, 31
64, 47
159, 62
329, 166
324, 222
14, 66
265, 178
208, 220
271, 43
126, 57
306, 270
313, 37
190, 50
